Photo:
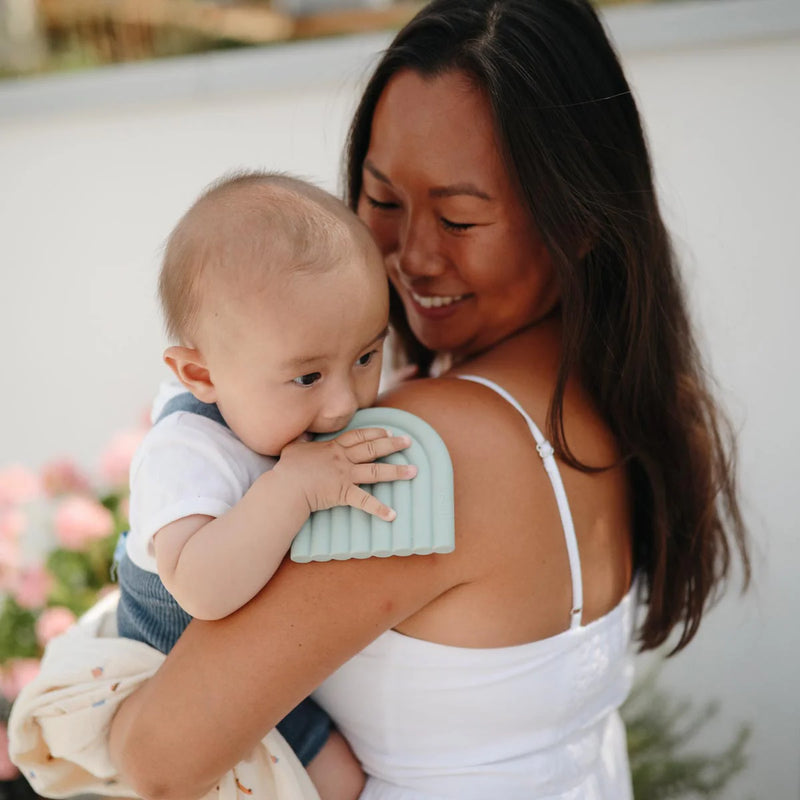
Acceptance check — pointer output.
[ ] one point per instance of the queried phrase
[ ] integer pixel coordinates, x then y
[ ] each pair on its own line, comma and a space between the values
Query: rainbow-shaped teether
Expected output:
424, 505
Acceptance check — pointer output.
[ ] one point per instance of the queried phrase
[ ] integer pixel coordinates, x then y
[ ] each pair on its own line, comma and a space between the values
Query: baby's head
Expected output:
278, 299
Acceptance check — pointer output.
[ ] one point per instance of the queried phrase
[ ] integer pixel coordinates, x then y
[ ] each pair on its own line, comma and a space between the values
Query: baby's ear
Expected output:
190, 368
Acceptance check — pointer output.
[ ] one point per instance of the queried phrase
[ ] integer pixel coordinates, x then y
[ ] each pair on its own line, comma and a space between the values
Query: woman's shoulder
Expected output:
421, 393
459, 410
506, 521
492, 450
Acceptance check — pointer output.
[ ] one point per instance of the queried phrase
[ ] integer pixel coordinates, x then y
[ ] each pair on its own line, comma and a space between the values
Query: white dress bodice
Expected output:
536, 721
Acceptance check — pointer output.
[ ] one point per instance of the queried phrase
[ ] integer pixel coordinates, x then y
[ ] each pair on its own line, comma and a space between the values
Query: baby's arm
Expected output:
212, 566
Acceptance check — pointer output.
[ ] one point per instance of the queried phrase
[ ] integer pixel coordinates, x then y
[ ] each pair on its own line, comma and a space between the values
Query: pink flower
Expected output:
115, 462
7, 770
18, 485
9, 564
53, 622
16, 674
64, 477
80, 520
106, 590
13, 522
31, 586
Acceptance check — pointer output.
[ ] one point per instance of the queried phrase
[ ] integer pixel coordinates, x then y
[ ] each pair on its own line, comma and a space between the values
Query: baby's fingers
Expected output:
358, 498
370, 449
358, 436
377, 472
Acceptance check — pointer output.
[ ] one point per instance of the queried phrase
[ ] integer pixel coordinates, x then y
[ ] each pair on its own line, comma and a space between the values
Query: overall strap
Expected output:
186, 401
545, 450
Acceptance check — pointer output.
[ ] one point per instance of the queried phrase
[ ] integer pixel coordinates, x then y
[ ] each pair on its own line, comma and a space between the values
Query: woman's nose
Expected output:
418, 255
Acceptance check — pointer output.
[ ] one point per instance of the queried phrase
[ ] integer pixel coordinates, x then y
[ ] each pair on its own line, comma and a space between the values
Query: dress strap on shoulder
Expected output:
545, 450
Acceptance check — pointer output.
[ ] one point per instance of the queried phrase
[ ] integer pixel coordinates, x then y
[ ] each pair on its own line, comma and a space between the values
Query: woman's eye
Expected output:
383, 205
307, 380
456, 226
366, 358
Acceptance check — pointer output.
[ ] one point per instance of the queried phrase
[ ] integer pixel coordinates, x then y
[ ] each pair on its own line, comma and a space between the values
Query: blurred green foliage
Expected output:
666, 761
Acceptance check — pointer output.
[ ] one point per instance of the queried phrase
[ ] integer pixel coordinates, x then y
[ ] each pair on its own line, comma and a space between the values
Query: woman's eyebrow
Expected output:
459, 188
375, 172
436, 191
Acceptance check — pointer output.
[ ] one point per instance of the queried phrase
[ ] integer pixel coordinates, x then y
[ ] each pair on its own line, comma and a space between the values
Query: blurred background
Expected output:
114, 114
39, 36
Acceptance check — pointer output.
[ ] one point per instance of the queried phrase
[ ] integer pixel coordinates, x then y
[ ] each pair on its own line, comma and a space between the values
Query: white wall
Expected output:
95, 169
724, 131
94, 172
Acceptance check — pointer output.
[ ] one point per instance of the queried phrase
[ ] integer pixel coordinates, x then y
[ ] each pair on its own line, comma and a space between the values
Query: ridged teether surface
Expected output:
424, 505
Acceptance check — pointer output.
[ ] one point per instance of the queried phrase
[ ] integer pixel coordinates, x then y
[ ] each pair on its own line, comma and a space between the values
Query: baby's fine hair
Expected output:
245, 228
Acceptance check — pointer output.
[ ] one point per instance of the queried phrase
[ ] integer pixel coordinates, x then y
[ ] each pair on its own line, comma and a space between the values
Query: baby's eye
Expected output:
307, 380
366, 358
456, 226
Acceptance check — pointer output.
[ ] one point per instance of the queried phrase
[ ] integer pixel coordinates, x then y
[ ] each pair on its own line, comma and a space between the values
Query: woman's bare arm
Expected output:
227, 683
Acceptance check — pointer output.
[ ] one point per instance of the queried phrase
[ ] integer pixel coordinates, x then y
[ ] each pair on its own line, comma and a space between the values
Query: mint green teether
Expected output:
424, 505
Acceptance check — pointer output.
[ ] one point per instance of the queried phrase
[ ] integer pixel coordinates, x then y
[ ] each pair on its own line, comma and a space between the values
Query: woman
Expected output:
498, 158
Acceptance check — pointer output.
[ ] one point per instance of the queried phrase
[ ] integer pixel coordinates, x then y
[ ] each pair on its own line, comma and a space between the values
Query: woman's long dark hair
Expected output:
571, 136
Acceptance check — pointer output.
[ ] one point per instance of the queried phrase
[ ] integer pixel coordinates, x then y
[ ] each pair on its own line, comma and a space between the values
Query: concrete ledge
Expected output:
689, 23
307, 65
289, 67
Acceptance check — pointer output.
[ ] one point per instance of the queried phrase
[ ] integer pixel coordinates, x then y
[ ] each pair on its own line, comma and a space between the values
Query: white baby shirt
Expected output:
187, 464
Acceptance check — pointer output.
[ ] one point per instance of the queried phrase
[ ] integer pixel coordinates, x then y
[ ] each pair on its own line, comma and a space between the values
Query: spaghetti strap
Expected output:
545, 450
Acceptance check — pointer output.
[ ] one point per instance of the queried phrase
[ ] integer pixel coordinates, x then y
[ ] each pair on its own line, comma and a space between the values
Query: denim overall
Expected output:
148, 613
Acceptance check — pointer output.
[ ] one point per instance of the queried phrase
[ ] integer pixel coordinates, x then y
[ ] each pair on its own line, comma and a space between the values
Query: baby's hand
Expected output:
329, 472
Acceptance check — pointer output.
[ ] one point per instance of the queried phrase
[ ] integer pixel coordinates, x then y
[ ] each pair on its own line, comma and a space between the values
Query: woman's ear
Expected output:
190, 368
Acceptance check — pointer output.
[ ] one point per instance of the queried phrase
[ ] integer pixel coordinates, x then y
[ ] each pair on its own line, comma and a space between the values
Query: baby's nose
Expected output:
338, 411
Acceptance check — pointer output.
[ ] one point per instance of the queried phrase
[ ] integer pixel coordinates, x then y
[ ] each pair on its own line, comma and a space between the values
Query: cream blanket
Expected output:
59, 724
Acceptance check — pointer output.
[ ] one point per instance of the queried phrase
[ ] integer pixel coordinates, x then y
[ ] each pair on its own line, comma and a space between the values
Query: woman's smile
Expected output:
432, 307
435, 301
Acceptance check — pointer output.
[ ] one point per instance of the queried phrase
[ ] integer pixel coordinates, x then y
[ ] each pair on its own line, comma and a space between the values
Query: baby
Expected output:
278, 298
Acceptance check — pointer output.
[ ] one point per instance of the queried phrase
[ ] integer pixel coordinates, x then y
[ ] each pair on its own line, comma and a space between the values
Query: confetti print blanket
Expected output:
59, 724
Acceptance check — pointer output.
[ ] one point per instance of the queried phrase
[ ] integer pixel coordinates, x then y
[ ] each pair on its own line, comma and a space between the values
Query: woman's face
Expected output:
460, 248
